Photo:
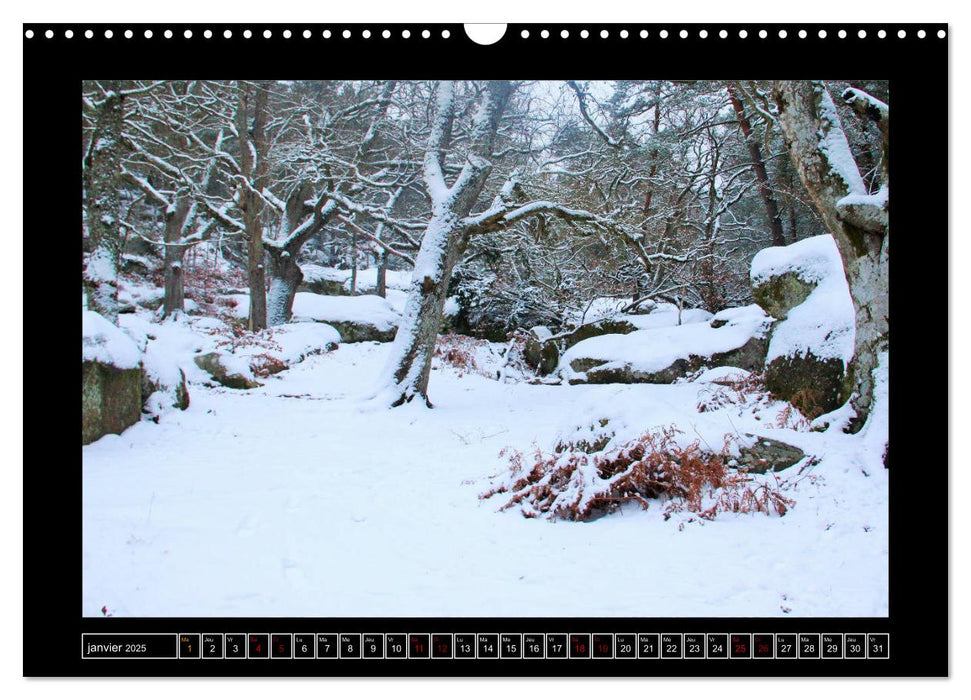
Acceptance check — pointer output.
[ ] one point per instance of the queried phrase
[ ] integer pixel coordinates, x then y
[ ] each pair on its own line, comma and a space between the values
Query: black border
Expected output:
918, 73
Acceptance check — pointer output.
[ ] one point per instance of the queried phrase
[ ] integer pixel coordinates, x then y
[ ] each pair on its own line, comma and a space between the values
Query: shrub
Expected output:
458, 351
749, 392
265, 364
746, 392
574, 485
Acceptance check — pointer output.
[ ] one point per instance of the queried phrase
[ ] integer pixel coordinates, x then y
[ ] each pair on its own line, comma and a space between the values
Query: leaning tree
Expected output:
857, 218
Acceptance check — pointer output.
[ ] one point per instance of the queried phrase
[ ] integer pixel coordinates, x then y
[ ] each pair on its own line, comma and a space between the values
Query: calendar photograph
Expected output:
472, 348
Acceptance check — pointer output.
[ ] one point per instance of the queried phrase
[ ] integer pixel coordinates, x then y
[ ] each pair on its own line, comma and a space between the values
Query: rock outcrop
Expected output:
111, 391
804, 286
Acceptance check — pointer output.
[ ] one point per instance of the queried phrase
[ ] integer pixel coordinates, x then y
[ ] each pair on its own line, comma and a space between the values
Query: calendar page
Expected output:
564, 349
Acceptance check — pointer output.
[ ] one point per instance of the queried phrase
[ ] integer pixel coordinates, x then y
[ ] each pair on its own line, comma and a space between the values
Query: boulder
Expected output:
778, 294
543, 351
804, 286
111, 399
360, 332
765, 455
358, 319
229, 371
323, 280
750, 357
539, 354
665, 354
607, 326
111, 394
812, 384
176, 392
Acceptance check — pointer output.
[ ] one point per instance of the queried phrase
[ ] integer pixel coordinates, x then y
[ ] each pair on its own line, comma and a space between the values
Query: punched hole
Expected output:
483, 34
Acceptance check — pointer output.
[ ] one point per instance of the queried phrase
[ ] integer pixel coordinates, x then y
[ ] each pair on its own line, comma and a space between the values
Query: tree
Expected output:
452, 224
333, 160
173, 164
857, 218
102, 199
253, 169
758, 164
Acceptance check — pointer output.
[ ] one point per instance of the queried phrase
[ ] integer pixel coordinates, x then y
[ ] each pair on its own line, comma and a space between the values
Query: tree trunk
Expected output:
382, 281
758, 164
102, 172
414, 343
285, 273
174, 300
285, 278
410, 361
252, 157
824, 162
353, 264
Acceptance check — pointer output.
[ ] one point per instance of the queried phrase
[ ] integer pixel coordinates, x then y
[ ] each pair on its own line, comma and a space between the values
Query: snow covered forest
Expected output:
423, 348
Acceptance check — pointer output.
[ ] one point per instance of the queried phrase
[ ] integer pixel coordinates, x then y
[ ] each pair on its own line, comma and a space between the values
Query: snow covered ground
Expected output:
300, 498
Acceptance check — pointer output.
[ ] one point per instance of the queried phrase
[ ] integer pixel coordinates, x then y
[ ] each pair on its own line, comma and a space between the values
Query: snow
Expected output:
451, 307
666, 318
655, 349
105, 343
367, 279
133, 294
295, 500
739, 312
367, 308
293, 342
100, 266
662, 314
811, 259
835, 148
824, 323
318, 273
879, 199
722, 375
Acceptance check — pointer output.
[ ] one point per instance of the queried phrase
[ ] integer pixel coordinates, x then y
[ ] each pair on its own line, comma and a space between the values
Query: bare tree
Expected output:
253, 169
758, 164
451, 225
102, 172
858, 219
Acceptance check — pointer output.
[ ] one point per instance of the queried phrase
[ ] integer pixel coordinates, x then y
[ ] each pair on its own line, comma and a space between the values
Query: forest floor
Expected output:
302, 499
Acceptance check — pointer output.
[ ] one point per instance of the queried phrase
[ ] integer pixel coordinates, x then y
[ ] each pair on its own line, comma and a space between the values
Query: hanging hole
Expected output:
484, 34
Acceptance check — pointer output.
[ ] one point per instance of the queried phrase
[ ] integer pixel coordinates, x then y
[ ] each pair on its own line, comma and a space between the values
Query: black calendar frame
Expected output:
918, 71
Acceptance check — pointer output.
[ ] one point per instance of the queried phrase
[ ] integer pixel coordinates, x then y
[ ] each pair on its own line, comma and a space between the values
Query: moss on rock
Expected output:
111, 400
778, 294
812, 384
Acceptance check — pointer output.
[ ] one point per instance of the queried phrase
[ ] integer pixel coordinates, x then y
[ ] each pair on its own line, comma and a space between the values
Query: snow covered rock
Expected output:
111, 394
663, 355
131, 295
804, 286
539, 354
288, 345
544, 353
163, 382
318, 279
229, 370
765, 455
322, 280
357, 319
723, 376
